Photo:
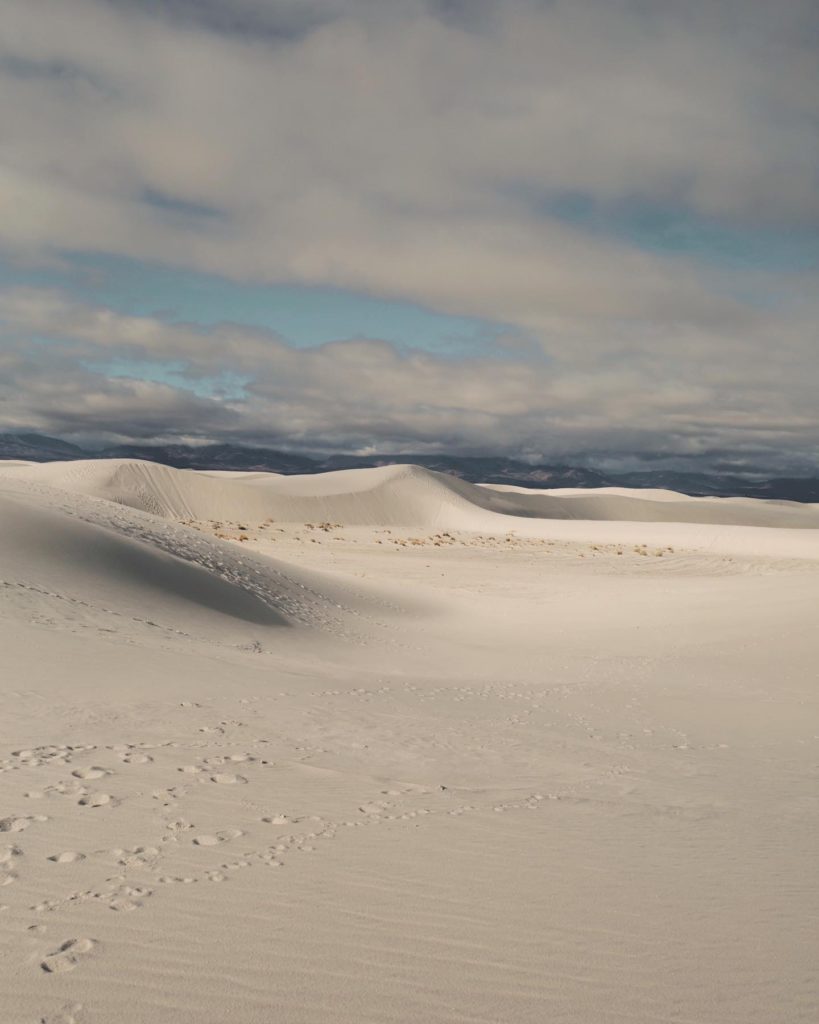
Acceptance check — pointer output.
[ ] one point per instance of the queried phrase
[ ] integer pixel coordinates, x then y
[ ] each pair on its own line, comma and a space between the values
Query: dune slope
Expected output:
89, 558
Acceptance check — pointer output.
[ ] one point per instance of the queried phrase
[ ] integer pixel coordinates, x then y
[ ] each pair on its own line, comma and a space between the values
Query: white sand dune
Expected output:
93, 558
394, 496
53, 552
633, 505
469, 754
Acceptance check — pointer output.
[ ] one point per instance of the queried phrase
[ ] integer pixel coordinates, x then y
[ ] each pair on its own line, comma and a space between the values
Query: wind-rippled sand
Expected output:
381, 746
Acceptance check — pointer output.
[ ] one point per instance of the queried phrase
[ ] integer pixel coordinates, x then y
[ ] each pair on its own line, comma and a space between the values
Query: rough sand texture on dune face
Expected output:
400, 495
97, 561
398, 772
78, 558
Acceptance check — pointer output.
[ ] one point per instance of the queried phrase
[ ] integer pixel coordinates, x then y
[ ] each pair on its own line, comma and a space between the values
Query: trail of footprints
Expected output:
132, 876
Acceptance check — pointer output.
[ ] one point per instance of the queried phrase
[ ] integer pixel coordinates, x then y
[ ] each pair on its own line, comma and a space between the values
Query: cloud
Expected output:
424, 150
83, 378
379, 118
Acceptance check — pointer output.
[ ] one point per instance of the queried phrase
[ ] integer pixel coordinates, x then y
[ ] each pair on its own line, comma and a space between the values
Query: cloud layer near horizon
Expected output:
612, 180
248, 385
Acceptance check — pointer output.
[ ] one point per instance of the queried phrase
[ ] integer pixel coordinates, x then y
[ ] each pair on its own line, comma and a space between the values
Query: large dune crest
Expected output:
391, 496
394, 495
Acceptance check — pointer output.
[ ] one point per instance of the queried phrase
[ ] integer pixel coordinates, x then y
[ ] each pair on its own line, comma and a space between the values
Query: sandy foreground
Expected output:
379, 746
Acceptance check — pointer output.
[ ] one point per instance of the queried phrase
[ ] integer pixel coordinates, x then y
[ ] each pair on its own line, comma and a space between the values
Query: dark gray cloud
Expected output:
268, 20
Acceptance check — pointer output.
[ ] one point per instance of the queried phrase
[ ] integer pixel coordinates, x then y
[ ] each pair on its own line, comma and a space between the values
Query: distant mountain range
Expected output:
38, 448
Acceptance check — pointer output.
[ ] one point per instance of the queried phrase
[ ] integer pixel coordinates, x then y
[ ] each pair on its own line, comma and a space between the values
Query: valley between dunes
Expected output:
384, 747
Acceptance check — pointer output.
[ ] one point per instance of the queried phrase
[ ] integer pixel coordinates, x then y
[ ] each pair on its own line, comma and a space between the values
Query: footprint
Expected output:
375, 807
128, 898
227, 779
68, 956
70, 788
134, 758
220, 837
94, 772
95, 800
122, 905
169, 794
67, 857
206, 840
137, 856
14, 824
276, 819
8, 853
180, 825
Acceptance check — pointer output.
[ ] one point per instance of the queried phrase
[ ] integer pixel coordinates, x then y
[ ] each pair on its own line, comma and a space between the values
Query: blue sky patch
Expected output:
227, 386
678, 231
303, 316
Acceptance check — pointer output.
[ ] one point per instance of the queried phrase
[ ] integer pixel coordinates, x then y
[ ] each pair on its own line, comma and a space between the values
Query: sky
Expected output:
547, 229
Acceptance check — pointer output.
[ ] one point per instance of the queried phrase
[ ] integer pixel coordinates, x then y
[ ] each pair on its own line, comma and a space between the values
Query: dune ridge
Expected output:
392, 496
